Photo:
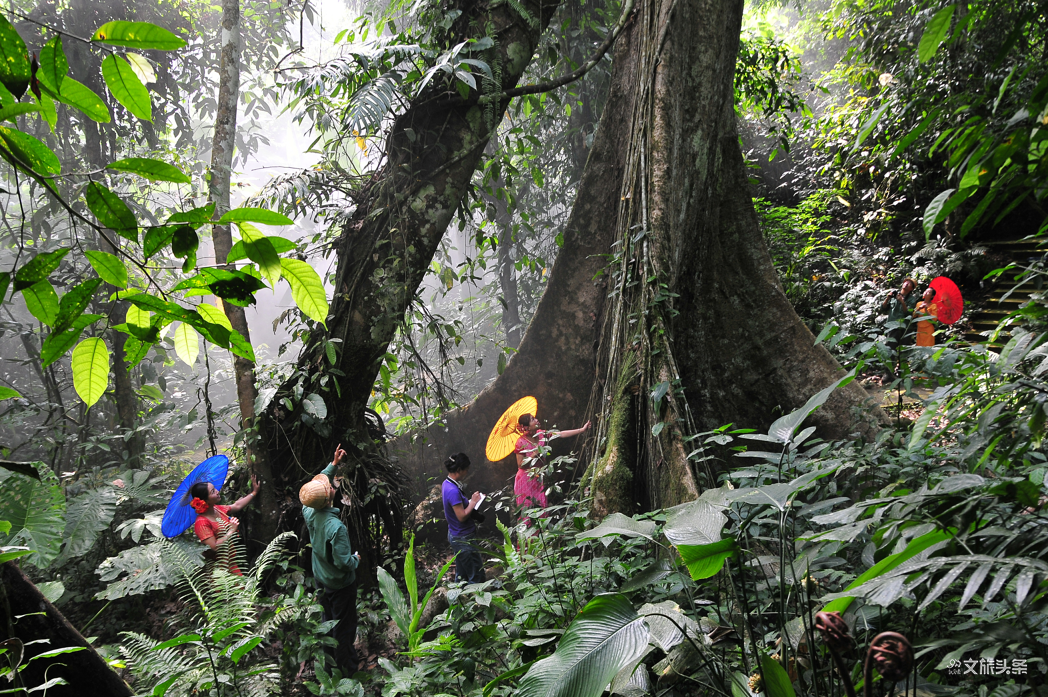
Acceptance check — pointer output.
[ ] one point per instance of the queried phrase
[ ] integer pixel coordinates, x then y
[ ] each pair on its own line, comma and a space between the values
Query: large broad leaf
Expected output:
125, 86
138, 35
934, 33
74, 302
82, 97
142, 67
111, 212
776, 679
13, 111
38, 268
58, 343
187, 344
260, 250
87, 516
148, 567
153, 170
784, 427
395, 601
53, 65
704, 561
14, 60
306, 289
108, 267
255, 215
699, 522
36, 510
28, 152
931, 213
280, 245
212, 314
42, 301
91, 369
619, 524
604, 638
8, 393
157, 238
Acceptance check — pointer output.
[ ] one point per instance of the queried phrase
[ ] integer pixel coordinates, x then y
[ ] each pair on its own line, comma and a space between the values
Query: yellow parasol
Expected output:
504, 436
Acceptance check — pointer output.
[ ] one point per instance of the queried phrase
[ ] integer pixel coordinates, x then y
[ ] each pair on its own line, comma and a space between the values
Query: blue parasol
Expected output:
179, 515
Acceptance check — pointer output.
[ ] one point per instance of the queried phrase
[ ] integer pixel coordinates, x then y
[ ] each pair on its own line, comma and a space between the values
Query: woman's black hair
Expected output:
457, 462
524, 420
199, 491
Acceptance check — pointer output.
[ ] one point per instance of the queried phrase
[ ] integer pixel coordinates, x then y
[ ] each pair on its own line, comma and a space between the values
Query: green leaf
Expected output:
28, 152
195, 217
776, 679
9, 113
604, 638
136, 316
177, 641
82, 97
184, 244
74, 302
111, 212
187, 344
108, 267
931, 213
14, 60
234, 287
212, 314
53, 65
783, 428
91, 369
58, 343
306, 289
125, 86
42, 301
153, 170
920, 426
8, 393
255, 215
157, 238
36, 510
934, 33
280, 244
87, 517
138, 35
243, 646
704, 561
260, 250
398, 606
38, 268
619, 524
5, 282
142, 67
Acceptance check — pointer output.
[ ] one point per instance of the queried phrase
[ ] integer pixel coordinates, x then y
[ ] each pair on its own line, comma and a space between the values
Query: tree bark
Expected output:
86, 672
263, 520
715, 340
555, 362
384, 251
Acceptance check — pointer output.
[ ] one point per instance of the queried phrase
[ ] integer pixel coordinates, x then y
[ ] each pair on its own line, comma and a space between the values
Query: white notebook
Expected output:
479, 503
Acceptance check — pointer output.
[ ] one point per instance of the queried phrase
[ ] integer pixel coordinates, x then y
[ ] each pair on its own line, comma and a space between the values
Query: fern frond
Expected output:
371, 103
154, 666
275, 552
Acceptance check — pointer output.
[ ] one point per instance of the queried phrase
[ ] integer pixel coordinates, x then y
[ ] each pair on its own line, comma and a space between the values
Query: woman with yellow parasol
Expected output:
518, 431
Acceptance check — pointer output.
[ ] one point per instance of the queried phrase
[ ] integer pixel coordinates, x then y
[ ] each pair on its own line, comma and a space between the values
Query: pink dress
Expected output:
528, 483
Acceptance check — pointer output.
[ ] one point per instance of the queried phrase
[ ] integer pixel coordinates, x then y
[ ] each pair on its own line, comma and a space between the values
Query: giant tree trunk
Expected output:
383, 254
696, 317
715, 339
557, 355
263, 519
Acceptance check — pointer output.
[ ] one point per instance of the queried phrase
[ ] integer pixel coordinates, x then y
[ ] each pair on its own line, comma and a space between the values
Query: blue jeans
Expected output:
469, 565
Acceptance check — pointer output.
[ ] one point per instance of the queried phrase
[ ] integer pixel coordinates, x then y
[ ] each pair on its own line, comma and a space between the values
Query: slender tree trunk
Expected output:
263, 520
555, 362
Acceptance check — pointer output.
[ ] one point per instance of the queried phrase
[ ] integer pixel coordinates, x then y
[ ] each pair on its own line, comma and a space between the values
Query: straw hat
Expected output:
314, 493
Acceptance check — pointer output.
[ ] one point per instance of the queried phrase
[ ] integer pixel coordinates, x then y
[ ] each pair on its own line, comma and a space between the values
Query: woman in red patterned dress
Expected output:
214, 524
531, 458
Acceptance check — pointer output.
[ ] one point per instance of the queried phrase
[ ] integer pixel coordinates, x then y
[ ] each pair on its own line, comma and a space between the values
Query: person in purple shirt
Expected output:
458, 510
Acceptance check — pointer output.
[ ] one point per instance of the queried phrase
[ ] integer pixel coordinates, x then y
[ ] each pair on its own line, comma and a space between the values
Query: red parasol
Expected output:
948, 299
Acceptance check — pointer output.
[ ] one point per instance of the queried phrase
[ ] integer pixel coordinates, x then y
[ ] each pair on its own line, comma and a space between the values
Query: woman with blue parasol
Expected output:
196, 503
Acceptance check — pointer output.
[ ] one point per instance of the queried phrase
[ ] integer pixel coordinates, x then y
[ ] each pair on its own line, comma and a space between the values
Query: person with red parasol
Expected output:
924, 313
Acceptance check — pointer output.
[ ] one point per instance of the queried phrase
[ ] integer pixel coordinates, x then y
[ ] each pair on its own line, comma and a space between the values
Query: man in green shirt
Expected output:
334, 562
900, 305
